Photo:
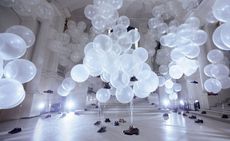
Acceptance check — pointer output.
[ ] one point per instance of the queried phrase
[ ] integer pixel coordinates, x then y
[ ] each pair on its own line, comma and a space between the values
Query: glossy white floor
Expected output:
80, 128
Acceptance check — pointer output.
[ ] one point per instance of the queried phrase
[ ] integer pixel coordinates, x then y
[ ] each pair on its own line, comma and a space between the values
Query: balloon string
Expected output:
131, 112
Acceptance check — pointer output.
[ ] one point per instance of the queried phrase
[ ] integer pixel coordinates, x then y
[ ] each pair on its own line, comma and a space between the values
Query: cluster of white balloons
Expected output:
14, 71
104, 15
112, 58
221, 36
184, 44
189, 4
217, 71
34, 8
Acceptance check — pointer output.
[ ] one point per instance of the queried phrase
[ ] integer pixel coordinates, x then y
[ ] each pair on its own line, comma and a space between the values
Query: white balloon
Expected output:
124, 95
216, 37
68, 84
79, 73
212, 85
161, 81
175, 72
102, 43
99, 23
215, 56
12, 46
142, 53
207, 70
90, 11
62, 92
150, 84
163, 69
221, 10
225, 34
24, 32
119, 79
103, 95
177, 87
225, 82
168, 84
219, 71
123, 20
21, 70
139, 93
173, 96
12, 93
135, 35
193, 21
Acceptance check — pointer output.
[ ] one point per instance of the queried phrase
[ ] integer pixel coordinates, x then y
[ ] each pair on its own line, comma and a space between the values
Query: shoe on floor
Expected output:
102, 129
192, 117
184, 114
121, 120
107, 120
47, 116
179, 113
131, 131
199, 121
97, 123
15, 130
116, 123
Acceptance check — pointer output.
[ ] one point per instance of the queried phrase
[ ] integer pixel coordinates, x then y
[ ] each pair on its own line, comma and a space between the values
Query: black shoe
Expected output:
47, 116
131, 131
102, 130
15, 130
97, 123
184, 114
192, 117
165, 115
116, 123
199, 121
203, 112
63, 115
179, 113
121, 120
107, 120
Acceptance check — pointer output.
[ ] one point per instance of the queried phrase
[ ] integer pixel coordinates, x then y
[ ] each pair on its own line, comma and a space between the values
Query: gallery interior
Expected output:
113, 70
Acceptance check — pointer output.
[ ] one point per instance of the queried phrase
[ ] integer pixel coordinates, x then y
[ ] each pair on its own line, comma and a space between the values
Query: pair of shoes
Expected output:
199, 121
102, 129
15, 130
116, 123
192, 117
184, 114
121, 120
107, 120
97, 123
131, 131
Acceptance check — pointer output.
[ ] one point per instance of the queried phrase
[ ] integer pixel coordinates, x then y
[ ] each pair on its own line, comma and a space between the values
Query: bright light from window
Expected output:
196, 101
41, 105
69, 105
182, 102
166, 103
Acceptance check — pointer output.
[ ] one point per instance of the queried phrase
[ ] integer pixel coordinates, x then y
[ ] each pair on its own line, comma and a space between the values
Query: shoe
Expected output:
63, 115
199, 121
165, 115
107, 120
179, 113
15, 130
102, 129
116, 123
192, 117
47, 116
121, 120
97, 123
185, 115
131, 131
